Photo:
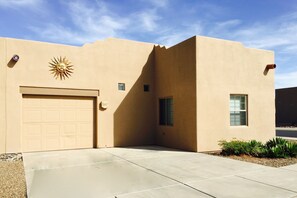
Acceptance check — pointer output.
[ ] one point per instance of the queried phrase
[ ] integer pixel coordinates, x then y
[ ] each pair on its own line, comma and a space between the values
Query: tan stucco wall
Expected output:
129, 120
224, 68
199, 74
175, 76
2, 96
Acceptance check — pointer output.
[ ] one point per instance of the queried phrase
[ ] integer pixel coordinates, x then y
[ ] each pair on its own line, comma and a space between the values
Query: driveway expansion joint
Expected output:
182, 183
265, 184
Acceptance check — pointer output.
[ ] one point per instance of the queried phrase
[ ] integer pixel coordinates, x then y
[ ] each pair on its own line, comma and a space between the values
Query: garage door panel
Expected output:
30, 116
85, 115
33, 144
83, 128
54, 123
69, 104
52, 129
50, 103
31, 103
69, 142
84, 141
51, 115
85, 103
32, 130
52, 143
68, 115
69, 129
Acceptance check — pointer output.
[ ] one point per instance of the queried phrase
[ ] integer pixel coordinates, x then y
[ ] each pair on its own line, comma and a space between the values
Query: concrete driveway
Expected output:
151, 172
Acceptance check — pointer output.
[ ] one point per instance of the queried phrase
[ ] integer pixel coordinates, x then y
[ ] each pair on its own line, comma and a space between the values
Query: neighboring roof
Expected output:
287, 88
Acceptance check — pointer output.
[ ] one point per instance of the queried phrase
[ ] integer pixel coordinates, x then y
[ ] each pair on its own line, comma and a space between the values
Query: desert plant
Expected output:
276, 141
292, 149
234, 147
281, 148
276, 152
256, 148
275, 148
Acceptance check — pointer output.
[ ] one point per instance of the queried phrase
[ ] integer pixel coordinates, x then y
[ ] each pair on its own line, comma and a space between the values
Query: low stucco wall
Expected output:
224, 68
129, 120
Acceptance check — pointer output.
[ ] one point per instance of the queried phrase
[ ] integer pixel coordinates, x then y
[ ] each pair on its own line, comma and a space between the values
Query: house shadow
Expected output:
135, 118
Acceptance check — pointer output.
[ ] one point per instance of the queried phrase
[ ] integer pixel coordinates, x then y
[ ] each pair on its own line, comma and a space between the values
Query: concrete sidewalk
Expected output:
151, 172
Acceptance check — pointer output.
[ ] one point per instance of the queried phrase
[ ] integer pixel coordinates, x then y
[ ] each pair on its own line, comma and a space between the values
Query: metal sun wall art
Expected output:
61, 68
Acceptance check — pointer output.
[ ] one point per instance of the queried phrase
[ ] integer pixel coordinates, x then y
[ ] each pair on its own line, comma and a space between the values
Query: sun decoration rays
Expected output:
61, 67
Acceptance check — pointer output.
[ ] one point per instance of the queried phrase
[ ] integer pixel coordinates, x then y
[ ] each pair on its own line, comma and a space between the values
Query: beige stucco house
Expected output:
127, 93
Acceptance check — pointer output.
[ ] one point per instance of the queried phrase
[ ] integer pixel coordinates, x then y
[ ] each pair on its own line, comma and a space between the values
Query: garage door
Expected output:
55, 123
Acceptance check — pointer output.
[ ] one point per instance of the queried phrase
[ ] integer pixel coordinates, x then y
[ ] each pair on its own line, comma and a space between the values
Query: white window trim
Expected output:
246, 111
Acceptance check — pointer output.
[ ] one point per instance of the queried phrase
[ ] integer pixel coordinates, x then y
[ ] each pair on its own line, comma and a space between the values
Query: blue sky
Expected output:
265, 24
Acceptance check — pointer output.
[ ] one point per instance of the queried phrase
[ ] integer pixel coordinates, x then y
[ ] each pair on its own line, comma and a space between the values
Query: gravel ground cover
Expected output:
266, 161
12, 176
273, 162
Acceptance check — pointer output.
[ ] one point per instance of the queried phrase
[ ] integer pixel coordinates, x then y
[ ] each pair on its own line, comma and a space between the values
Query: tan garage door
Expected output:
55, 123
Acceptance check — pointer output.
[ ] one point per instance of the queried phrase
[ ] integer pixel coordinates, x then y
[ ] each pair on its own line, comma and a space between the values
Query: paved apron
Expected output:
155, 172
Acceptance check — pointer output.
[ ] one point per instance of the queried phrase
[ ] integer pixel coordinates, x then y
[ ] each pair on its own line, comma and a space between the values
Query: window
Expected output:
166, 111
146, 88
121, 86
238, 110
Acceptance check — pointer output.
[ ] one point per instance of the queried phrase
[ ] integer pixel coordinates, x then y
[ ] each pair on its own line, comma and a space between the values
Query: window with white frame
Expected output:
238, 110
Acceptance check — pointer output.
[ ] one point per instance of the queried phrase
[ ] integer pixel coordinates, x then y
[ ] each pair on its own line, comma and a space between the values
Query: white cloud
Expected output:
90, 24
284, 80
96, 22
59, 33
289, 49
227, 24
20, 3
222, 27
275, 34
172, 36
159, 3
147, 20
260, 36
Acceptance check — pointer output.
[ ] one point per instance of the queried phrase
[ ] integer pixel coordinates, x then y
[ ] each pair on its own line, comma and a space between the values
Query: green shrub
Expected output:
256, 148
234, 147
276, 141
275, 148
280, 148
292, 149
